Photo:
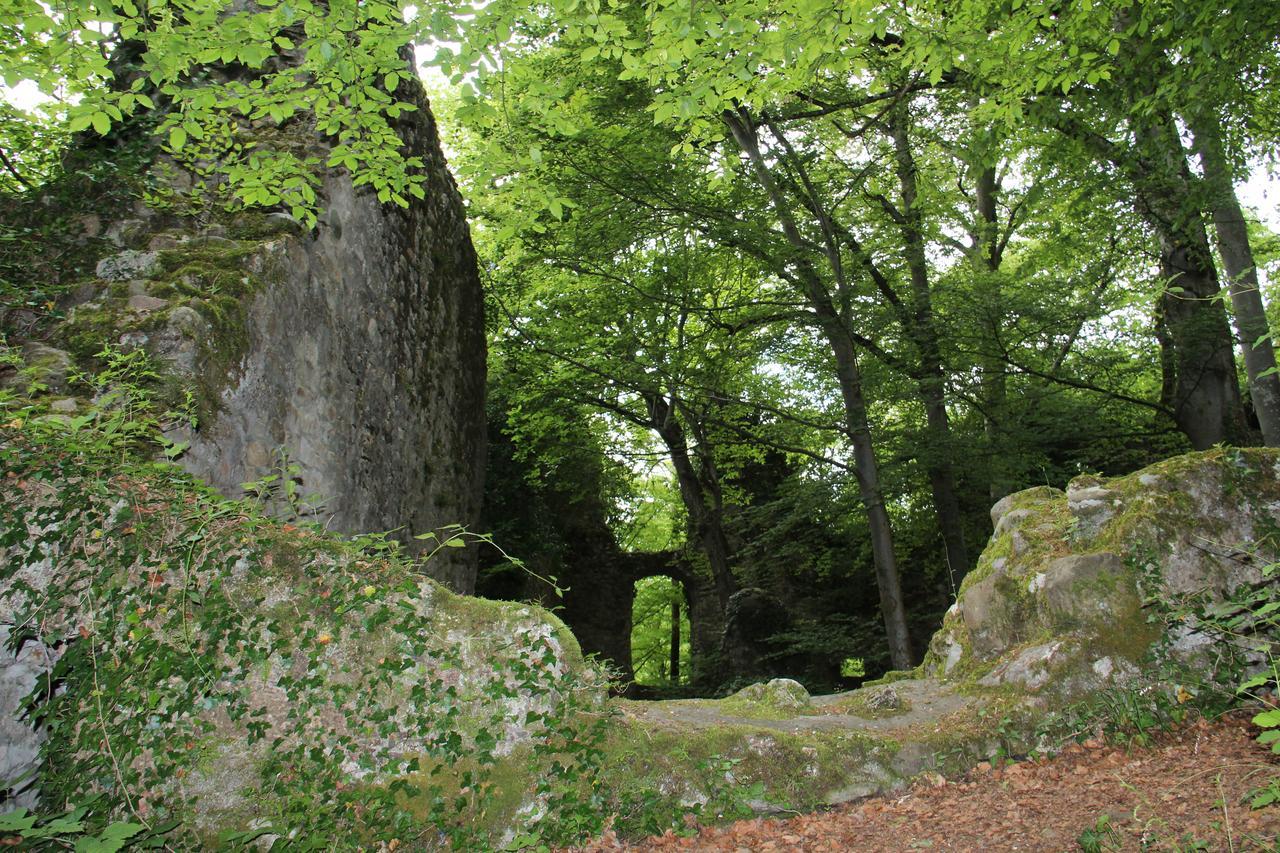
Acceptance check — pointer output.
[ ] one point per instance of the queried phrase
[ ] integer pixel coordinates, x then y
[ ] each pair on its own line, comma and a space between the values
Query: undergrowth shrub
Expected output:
1246, 624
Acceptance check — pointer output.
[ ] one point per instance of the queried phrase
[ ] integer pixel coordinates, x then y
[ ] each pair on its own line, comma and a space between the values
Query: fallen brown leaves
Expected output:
1188, 788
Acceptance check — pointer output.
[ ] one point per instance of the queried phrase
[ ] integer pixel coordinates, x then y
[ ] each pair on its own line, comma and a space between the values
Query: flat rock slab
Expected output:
830, 750
923, 701
1043, 806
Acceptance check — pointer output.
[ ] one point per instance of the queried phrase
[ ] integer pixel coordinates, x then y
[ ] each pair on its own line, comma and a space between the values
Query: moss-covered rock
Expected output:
1056, 615
236, 674
1073, 570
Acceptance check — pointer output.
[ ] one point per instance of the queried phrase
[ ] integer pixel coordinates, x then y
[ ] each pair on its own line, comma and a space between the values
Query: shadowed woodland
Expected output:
798, 330
350, 492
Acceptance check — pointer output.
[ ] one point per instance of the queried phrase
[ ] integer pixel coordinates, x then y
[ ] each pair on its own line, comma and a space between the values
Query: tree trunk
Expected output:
674, 669
888, 579
1206, 402
1252, 329
701, 501
930, 377
993, 371
857, 424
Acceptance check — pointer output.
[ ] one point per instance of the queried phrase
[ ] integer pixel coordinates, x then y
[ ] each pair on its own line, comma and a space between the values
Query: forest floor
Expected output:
1187, 791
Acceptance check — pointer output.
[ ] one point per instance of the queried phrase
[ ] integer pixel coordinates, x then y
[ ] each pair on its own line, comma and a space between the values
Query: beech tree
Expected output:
846, 151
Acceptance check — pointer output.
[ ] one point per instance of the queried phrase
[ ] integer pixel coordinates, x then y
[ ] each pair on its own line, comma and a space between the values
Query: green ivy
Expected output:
161, 592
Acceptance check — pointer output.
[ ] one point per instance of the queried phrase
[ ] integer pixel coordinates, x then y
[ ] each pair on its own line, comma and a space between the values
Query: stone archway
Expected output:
600, 594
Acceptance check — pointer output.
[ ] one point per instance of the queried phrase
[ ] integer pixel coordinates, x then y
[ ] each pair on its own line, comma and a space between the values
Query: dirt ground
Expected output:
1186, 792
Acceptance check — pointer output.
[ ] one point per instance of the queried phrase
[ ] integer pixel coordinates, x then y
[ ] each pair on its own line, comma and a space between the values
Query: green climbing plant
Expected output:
160, 593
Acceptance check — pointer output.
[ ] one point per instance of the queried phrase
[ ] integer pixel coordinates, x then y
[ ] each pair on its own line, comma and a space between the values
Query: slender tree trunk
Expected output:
849, 376
675, 635
1252, 329
703, 505
930, 378
867, 468
994, 372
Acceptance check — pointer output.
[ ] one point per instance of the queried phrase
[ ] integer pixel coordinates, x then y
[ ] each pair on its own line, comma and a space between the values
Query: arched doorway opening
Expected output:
660, 633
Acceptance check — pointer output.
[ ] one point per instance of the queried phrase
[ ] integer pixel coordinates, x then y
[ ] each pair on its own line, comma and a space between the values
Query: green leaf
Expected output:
1267, 719
101, 123
16, 821
177, 138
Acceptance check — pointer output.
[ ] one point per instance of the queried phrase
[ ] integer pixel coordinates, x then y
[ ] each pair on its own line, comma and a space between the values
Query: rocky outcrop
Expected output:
1071, 601
1061, 598
235, 674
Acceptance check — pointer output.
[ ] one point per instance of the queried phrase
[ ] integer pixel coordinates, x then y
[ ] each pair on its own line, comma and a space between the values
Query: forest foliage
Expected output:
841, 275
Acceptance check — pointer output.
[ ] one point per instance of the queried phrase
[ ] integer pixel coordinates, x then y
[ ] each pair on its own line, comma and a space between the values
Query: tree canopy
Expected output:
843, 274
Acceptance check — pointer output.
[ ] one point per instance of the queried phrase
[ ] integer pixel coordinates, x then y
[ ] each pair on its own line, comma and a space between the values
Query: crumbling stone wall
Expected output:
364, 361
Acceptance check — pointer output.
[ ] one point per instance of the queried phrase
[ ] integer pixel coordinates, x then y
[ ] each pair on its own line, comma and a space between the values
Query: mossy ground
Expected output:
864, 703
659, 768
653, 775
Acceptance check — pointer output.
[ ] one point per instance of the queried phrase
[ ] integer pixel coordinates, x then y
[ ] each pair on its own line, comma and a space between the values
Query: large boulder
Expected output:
174, 656
1066, 597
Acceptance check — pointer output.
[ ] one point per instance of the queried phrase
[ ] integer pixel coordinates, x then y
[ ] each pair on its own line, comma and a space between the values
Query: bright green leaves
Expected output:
345, 61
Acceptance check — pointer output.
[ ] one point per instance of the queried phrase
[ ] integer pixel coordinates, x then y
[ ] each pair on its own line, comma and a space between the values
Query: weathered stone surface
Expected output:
19, 741
44, 365
1030, 668
1092, 506
884, 699
144, 304
363, 365
1076, 568
783, 693
1009, 503
1089, 586
986, 614
388, 680
127, 265
177, 342
20, 670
